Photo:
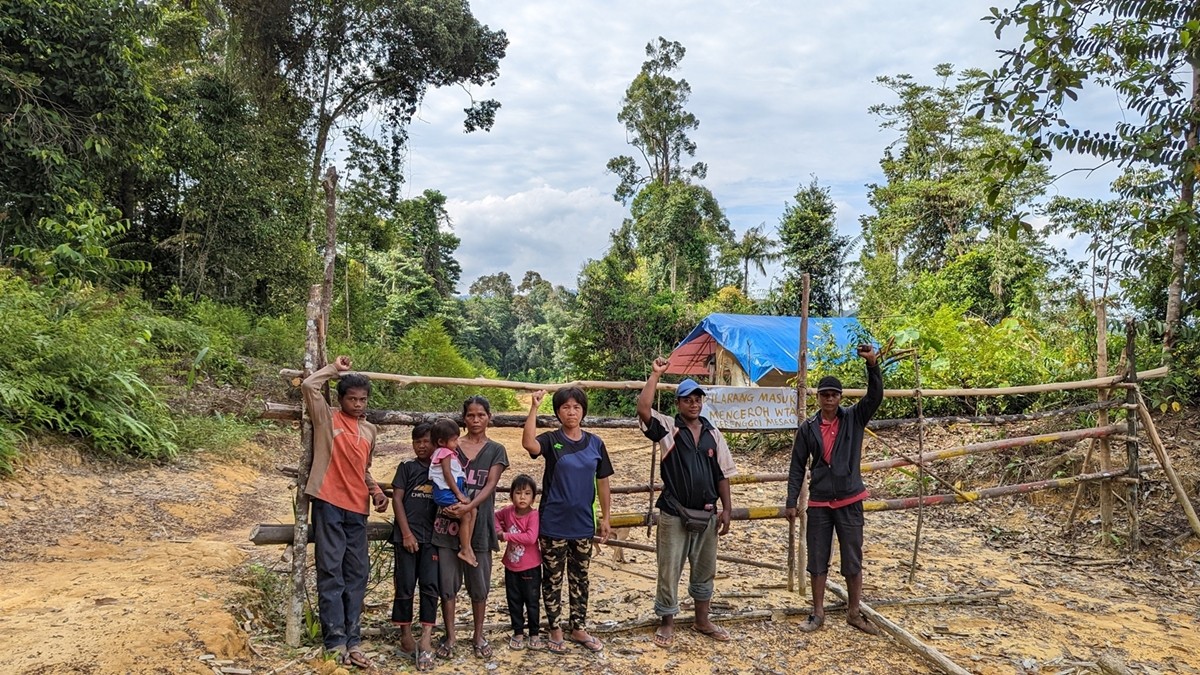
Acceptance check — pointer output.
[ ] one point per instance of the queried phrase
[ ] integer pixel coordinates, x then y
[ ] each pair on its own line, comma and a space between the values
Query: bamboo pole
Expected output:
988, 446
289, 411
1131, 442
798, 558
1164, 459
1106, 488
480, 382
314, 360
931, 655
265, 534
720, 556
1079, 488
912, 569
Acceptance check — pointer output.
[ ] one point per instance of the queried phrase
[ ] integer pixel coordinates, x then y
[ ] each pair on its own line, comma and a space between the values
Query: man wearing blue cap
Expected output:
696, 466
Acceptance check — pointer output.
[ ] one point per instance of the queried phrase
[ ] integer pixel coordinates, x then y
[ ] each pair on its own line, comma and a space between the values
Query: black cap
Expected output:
829, 383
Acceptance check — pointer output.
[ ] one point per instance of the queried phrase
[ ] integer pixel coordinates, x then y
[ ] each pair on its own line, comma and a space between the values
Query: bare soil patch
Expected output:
133, 568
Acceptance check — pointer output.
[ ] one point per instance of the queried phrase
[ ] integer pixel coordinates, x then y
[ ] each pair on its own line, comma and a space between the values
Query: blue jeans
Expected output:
675, 546
342, 570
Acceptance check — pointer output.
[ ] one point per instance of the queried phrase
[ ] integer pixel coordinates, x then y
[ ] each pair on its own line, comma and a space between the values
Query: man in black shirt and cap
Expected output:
696, 466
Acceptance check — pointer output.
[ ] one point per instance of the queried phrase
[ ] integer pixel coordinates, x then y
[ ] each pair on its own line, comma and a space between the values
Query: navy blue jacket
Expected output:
844, 477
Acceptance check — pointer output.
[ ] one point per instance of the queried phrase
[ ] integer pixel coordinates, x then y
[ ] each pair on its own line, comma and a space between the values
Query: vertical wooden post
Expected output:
799, 562
1106, 487
1131, 443
912, 570
314, 359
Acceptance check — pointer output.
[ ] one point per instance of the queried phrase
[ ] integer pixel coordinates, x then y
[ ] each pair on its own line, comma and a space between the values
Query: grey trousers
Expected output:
675, 546
342, 570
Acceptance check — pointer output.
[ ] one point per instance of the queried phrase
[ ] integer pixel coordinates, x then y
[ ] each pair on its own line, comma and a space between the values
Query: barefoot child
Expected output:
416, 556
517, 526
446, 472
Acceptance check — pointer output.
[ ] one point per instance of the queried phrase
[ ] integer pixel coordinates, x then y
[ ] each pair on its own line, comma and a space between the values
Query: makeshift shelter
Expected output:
741, 350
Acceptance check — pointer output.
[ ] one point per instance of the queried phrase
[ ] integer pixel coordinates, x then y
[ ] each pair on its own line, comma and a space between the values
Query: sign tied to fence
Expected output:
750, 407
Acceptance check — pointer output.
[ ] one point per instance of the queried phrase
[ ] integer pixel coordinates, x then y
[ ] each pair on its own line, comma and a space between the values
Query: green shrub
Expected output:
424, 350
69, 362
277, 340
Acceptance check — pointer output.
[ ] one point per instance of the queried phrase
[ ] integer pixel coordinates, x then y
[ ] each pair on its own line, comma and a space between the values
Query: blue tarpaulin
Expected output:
761, 343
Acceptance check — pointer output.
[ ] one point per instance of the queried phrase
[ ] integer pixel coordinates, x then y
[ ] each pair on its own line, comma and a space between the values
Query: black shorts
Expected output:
822, 523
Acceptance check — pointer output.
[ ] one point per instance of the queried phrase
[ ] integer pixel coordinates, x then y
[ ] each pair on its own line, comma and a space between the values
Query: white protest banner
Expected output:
750, 407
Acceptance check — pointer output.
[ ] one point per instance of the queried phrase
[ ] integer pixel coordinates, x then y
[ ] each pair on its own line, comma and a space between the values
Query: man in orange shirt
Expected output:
832, 441
341, 487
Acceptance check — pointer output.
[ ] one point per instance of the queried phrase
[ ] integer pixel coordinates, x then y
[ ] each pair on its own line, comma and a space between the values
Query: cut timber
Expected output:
1001, 444
1164, 459
931, 655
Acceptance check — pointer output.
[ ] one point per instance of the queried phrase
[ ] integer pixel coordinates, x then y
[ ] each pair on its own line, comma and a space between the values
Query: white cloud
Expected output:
544, 229
781, 91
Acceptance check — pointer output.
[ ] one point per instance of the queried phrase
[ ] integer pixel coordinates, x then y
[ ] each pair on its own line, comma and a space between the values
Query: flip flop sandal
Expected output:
556, 646
425, 661
483, 650
592, 644
812, 623
516, 642
664, 641
717, 633
537, 642
445, 650
358, 658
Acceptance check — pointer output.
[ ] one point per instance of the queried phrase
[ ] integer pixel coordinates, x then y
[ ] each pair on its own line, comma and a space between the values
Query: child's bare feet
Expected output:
468, 556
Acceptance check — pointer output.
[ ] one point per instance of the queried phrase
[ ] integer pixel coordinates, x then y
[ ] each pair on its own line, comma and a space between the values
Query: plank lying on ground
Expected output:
931, 655
404, 380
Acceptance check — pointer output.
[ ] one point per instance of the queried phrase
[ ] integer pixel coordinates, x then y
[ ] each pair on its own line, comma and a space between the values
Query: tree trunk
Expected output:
1179, 242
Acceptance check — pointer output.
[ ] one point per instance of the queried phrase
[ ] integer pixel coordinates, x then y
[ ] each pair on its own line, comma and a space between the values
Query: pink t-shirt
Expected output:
520, 537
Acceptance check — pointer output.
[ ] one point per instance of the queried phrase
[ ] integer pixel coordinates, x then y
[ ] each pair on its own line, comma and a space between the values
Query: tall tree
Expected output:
657, 124
679, 230
1146, 52
425, 226
77, 113
755, 248
809, 242
345, 58
935, 204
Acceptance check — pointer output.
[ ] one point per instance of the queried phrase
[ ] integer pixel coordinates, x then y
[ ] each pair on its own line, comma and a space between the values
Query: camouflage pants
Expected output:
574, 555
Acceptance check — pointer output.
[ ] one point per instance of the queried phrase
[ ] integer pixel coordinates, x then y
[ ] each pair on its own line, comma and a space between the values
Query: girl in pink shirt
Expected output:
517, 527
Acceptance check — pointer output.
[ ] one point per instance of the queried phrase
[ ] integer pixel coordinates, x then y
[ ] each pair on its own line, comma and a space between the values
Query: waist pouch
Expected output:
694, 520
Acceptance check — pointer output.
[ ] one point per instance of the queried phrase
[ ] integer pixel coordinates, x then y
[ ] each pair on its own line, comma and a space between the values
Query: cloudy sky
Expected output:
781, 90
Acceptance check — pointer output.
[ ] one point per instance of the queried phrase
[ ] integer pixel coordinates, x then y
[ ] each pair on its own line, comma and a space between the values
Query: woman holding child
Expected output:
483, 460
577, 467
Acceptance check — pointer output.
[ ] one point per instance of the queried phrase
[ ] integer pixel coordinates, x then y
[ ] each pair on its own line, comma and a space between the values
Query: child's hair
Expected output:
479, 401
350, 381
443, 430
569, 394
523, 481
421, 430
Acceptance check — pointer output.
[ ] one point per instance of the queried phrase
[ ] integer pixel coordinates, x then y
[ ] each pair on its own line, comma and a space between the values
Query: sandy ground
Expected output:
114, 568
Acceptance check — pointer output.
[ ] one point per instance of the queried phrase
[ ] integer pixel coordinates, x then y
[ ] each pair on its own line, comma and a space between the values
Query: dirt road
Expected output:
112, 569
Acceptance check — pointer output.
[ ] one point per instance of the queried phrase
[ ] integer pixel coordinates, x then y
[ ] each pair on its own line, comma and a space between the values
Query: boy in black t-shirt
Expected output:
416, 556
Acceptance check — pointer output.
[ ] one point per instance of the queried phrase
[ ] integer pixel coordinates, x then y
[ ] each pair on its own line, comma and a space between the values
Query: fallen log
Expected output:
929, 654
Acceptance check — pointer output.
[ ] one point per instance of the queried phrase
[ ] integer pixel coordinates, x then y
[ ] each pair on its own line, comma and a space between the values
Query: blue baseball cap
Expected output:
687, 388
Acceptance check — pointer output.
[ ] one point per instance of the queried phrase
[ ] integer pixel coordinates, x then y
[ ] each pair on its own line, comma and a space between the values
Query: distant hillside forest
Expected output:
162, 216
